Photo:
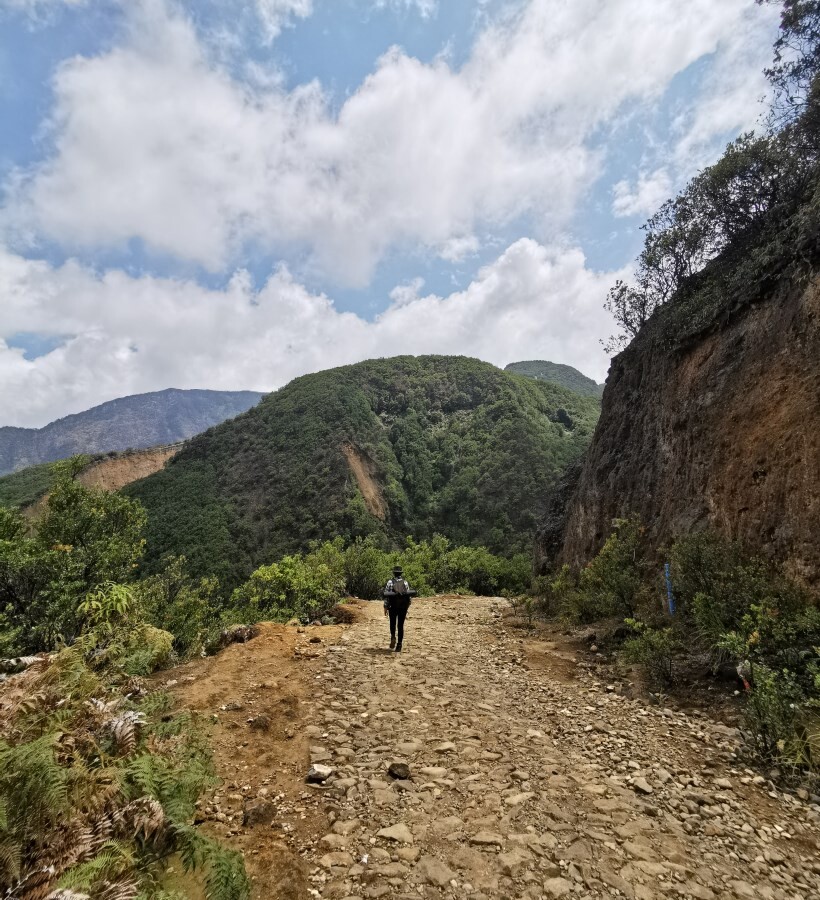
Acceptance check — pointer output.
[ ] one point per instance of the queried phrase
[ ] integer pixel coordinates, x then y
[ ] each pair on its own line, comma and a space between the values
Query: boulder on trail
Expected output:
434, 872
237, 634
258, 812
399, 770
318, 774
398, 832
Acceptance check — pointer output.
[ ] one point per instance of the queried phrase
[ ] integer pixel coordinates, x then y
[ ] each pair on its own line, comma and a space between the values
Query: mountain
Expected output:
559, 374
393, 447
718, 431
135, 422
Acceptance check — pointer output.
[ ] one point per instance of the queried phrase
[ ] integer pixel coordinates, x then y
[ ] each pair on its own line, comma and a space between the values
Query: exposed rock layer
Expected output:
724, 434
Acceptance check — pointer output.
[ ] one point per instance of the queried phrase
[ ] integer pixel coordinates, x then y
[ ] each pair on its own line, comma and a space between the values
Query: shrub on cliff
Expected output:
750, 218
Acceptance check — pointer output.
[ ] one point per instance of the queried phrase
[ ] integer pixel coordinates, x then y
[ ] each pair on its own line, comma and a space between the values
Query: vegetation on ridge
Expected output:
745, 223
564, 376
451, 445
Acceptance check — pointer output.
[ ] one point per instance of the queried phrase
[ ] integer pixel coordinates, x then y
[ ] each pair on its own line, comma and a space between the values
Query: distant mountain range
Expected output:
135, 422
556, 373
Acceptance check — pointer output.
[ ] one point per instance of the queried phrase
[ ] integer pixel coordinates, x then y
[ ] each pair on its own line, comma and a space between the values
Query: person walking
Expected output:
397, 597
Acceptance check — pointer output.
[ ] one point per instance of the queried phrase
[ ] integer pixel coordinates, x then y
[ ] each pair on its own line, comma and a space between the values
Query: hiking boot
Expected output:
398, 648
392, 642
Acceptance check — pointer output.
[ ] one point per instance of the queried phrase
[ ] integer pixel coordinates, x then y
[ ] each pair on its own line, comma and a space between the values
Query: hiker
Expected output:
397, 596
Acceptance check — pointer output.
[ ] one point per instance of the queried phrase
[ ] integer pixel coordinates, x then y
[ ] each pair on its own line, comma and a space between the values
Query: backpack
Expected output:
400, 586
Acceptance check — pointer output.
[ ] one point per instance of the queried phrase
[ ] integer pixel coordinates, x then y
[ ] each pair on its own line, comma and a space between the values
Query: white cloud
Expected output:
139, 334
457, 249
402, 294
275, 14
644, 197
425, 8
730, 96
38, 11
153, 140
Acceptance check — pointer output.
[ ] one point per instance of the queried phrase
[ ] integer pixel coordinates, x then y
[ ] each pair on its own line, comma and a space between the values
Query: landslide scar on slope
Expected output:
364, 471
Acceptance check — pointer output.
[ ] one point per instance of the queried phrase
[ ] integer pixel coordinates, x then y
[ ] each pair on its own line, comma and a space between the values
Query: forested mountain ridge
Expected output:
557, 373
397, 447
134, 422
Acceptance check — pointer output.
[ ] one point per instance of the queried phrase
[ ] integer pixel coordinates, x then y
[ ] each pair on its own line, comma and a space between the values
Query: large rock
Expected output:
720, 429
434, 872
258, 812
398, 832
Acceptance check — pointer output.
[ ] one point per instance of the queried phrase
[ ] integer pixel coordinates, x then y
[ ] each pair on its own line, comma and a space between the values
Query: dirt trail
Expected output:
522, 785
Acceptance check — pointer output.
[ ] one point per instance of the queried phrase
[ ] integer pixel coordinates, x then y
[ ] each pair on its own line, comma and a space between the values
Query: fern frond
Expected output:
225, 875
143, 819
225, 878
35, 783
113, 860
9, 861
125, 730
62, 894
125, 889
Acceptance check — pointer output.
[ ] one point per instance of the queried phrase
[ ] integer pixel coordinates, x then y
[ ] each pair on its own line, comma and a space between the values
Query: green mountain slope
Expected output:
396, 447
24, 487
557, 373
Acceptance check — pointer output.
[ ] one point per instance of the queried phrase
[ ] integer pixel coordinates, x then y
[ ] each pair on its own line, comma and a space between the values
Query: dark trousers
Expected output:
397, 610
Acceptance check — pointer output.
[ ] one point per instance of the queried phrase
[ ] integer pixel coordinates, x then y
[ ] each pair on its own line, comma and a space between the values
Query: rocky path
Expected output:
521, 786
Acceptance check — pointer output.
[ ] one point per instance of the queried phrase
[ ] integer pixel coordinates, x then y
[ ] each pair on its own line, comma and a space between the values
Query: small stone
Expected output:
399, 770
557, 887
398, 832
723, 784
446, 747
333, 842
518, 799
433, 771
318, 774
642, 786
434, 872
512, 861
338, 858
487, 839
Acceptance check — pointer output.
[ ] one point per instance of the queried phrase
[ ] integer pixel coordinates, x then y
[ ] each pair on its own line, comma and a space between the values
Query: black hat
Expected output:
397, 570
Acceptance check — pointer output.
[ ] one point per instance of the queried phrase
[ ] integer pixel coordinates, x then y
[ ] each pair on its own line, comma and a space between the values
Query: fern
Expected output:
34, 785
98, 784
225, 875
111, 862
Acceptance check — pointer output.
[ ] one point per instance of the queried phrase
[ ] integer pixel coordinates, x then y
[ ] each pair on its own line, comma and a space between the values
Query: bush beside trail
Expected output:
731, 608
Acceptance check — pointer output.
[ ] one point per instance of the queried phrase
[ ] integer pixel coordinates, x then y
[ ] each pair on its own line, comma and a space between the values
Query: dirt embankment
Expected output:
115, 472
118, 471
364, 471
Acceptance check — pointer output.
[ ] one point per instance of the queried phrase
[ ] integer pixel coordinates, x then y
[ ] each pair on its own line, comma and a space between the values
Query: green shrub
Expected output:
366, 569
654, 650
85, 538
297, 586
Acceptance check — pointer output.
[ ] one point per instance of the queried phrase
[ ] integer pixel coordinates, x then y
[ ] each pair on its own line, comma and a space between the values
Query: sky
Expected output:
230, 193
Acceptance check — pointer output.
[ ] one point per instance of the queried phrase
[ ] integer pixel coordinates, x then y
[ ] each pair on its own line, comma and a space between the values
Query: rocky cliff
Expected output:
723, 432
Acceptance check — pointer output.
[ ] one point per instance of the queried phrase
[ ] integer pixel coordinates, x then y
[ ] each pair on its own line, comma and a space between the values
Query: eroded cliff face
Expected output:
724, 433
